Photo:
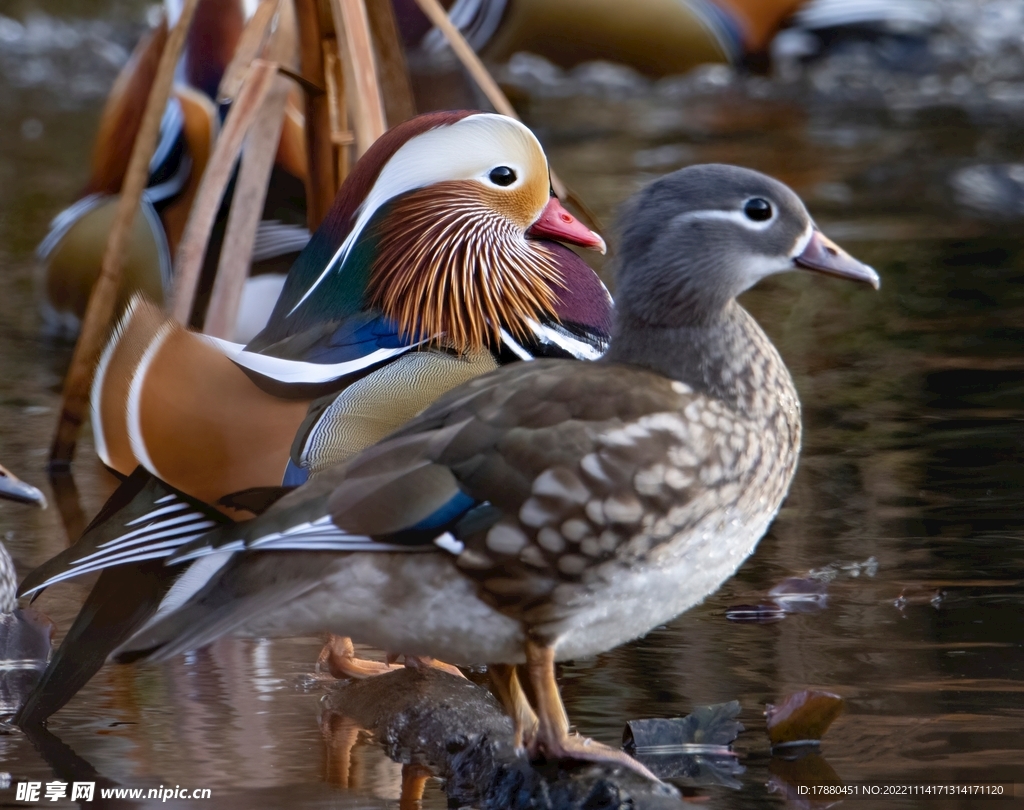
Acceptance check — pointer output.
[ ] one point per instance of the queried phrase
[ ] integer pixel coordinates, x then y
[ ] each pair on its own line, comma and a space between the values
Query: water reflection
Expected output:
912, 405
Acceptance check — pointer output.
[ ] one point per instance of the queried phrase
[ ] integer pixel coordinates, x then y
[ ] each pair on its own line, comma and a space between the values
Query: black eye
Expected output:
502, 176
758, 209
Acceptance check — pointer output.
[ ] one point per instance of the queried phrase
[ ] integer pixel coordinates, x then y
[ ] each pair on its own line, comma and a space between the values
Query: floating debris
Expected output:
851, 569
800, 594
919, 595
802, 718
429, 717
693, 749
755, 614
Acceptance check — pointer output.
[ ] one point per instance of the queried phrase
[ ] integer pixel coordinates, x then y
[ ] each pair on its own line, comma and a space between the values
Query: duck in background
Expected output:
436, 264
25, 635
72, 251
656, 37
554, 509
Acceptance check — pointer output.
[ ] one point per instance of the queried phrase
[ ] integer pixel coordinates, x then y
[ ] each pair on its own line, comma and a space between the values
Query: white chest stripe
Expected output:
134, 416
300, 371
566, 341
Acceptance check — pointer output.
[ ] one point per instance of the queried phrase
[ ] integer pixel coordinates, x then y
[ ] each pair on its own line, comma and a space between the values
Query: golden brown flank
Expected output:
205, 426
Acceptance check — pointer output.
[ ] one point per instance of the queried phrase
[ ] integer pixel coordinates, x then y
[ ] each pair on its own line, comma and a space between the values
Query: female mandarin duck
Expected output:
553, 509
73, 249
13, 488
432, 267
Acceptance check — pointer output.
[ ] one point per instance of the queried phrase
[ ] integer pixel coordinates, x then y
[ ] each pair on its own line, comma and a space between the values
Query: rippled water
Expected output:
914, 442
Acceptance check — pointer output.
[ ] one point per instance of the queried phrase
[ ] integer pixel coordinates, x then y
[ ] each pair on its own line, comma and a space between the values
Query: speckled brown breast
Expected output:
616, 466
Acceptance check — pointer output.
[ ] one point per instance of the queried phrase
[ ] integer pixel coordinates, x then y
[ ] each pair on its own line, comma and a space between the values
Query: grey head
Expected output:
693, 240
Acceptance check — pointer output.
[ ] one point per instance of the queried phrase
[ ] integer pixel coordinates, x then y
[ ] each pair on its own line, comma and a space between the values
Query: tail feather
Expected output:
145, 519
120, 602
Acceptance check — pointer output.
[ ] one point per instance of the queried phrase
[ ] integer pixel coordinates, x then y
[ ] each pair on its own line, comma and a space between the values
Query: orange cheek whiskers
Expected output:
452, 270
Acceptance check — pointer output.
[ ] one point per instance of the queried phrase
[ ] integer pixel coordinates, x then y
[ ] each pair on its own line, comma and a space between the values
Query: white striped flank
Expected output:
318, 535
134, 411
167, 528
322, 535
96, 392
299, 371
166, 510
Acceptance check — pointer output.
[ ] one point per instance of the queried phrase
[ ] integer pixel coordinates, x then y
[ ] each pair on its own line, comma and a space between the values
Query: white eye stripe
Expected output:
451, 152
730, 216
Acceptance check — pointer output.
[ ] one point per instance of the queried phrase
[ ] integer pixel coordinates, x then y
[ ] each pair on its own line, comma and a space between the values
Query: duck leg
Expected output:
509, 691
552, 739
338, 657
414, 782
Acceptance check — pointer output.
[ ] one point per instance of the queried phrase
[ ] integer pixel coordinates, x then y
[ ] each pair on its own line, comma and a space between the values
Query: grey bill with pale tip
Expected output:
825, 256
14, 489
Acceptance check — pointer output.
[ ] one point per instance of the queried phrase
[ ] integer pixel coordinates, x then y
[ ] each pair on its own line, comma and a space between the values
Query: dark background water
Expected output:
908, 495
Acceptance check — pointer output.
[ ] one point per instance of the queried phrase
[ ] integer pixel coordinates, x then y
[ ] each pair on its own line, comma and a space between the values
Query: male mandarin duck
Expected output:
433, 266
553, 509
73, 249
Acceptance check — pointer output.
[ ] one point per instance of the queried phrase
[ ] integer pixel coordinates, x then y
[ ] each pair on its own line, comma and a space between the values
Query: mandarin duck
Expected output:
25, 635
553, 509
433, 266
656, 37
73, 249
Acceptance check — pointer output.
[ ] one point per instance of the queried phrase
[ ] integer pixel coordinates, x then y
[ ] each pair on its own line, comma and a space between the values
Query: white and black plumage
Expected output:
552, 509
25, 635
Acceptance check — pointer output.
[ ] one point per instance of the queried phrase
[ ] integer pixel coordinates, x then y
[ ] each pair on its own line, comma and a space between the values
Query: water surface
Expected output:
908, 495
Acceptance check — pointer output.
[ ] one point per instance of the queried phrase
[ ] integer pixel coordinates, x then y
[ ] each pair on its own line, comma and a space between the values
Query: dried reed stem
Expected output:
189, 259
352, 29
100, 311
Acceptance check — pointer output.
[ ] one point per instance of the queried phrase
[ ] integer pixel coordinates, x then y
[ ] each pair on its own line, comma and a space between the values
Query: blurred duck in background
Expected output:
656, 37
73, 249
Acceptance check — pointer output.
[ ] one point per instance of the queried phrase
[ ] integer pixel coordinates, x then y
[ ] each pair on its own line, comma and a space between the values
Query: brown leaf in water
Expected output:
802, 716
